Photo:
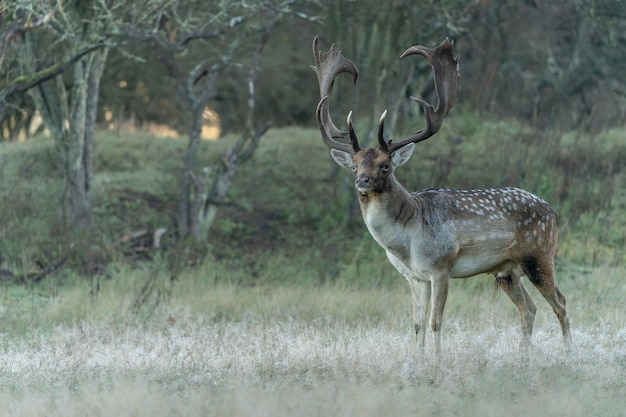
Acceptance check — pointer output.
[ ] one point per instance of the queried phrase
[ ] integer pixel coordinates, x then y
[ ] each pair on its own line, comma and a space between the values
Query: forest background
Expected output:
541, 107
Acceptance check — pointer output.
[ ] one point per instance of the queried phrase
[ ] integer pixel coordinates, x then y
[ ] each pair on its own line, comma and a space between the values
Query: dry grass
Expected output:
302, 351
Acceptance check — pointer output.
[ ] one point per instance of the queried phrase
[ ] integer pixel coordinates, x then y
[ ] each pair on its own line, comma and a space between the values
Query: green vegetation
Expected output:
292, 203
292, 309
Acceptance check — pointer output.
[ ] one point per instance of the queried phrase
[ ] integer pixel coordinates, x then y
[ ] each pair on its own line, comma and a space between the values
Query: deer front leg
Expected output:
420, 291
439, 284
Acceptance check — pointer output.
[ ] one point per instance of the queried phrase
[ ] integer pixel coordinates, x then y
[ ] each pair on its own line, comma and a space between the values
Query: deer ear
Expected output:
402, 155
344, 159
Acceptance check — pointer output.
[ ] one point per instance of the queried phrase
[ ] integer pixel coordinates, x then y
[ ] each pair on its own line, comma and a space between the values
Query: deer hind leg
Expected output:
420, 292
541, 273
511, 283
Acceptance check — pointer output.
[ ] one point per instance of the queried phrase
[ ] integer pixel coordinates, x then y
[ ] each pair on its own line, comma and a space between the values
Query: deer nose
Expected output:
362, 181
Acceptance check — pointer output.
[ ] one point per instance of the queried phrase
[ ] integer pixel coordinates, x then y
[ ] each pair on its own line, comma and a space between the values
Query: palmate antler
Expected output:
447, 82
327, 66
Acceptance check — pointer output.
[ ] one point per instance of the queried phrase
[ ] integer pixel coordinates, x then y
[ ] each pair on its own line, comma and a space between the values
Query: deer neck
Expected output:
388, 214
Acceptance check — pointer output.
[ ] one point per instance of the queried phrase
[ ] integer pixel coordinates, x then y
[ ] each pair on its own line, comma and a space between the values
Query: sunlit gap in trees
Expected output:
210, 128
210, 125
30, 126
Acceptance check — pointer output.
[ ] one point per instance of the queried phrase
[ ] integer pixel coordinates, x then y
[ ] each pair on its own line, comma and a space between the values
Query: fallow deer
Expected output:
433, 235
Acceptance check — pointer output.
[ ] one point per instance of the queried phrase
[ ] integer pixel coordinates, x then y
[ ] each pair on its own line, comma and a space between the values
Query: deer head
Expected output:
373, 167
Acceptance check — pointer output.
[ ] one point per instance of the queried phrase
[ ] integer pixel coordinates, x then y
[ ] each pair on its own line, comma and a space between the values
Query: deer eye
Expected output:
353, 168
384, 168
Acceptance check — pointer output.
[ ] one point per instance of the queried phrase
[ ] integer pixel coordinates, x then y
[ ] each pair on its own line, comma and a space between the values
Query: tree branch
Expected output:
23, 25
23, 83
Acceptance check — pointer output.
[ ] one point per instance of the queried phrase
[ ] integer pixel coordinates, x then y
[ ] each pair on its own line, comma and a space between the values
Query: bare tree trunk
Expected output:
82, 120
188, 204
236, 155
186, 218
198, 204
231, 160
71, 119
219, 189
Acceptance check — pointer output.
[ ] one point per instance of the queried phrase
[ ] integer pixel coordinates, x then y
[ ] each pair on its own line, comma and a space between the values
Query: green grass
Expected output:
292, 200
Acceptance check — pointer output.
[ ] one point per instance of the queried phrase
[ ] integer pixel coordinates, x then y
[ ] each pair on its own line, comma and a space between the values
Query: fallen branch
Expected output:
142, 240
31, 277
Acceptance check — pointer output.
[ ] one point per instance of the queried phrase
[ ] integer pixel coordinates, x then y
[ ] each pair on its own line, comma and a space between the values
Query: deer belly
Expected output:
477, 261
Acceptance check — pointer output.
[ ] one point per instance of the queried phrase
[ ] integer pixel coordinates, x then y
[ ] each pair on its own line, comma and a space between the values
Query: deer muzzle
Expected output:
363, 183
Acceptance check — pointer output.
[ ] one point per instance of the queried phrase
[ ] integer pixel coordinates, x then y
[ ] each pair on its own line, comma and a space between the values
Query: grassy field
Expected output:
279, 350
293, 310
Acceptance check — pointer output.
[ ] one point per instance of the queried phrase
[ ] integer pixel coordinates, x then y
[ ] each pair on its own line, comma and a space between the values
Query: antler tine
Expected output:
447, 83
327, 66
382, 143
354, 141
